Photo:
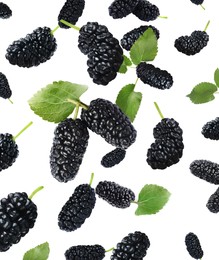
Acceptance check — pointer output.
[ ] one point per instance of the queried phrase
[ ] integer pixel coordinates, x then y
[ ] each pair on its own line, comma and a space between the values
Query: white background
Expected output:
186, 210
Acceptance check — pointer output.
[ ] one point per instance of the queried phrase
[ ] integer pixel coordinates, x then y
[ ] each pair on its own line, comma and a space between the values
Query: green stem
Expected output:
35, 191
136, 81
10, 101
55, 29
70, 25
76, 111
202, 7
135, 202
206, 26
109, 249
158, 110
91, 178
78, 103
22, 130
163, 17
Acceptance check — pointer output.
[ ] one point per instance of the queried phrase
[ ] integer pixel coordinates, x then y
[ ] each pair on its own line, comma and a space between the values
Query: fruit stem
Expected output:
76, 112
206, 26
22, 130
202, 7
158, 110
10, 101
91, 178
163, 17
136, 81
78, 103
135, 202
55, 29
70, 25
35, 191
109, 249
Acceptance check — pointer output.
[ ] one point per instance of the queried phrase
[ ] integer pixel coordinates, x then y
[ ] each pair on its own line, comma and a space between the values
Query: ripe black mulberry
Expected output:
213, 202
121, 8
107, 120
211, 129
146, 11
68, 149
5, 11
5, 91
193, 246
36, 48
113, 158
197, 2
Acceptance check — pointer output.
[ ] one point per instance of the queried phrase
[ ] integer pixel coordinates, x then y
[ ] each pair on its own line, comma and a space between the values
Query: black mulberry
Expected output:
146, 11
5, 91
113, 158
197, 2
8, 151
168, 146
211, 129
88, 252
121, 8
5, 11
130, 37
71, 11
153, 76
193, 246
107, 120
17, 216
213, 202
77, 209
36, 48
205, 170
69, 145
133, 246
193, 44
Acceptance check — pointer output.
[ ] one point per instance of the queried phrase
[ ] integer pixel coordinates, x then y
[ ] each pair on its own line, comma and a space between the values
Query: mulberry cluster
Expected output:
5, 91
69, 146
168, 146
8, 151
115, 194
146, 11
5, 11
153, 76
71, 11
193, 44
36, 48
211, 129
88, 252
105, 55
130, 37
133, 246
121, 8
107, 120
213, 202
17, 216
113, 158
205, 170
193, 246
77, 209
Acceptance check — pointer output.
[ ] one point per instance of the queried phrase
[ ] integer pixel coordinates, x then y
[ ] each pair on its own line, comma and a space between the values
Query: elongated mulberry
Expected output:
213, 202
146, 11
5, 11
211, 129
113, 158
121, 8
5, 90
77, 209
32, 50
193, 246
68, 149
107, 120
205, 170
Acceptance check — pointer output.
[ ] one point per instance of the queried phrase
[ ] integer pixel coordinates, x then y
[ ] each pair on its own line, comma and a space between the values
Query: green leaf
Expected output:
123, 69
151, 199
127, 61
129, 101
51, 103
41, 252
145, 48
202, 93
216, 77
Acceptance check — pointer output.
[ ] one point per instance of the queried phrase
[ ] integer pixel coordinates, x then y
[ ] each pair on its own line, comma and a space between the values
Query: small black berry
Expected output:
113, 158
121, 8
213, 202
146, 11
211, 129
5, 11
193, 246
5, 91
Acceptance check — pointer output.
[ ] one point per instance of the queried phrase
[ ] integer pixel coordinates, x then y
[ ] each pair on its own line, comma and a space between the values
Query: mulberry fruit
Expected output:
133, 246
17, 216
77, 209
71, 11
5, 91
113, 158
153, 76
8, 151
197, 2
193, 44
121, 8
107, 120
130, 37
36, 48
205, 170
69, 146
168, 146
5, 11
90, 252
115, 194
146, 11
213, 202
211, 129
193, 246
